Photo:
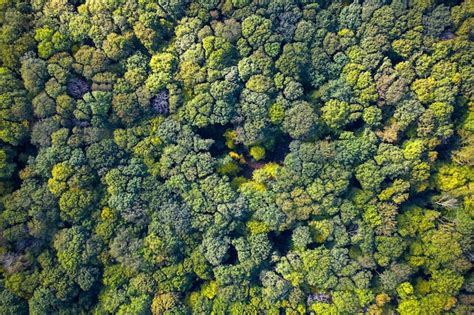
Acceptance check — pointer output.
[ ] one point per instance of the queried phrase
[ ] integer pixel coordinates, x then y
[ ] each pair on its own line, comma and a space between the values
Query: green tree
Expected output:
300, 121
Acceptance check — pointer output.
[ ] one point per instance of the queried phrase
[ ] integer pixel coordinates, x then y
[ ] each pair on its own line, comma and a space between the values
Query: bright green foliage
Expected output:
335, 114
257, 152
256, 30
236, 157
50, 41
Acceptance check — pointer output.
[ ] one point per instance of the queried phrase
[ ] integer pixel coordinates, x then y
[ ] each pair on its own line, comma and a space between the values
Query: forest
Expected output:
236, 157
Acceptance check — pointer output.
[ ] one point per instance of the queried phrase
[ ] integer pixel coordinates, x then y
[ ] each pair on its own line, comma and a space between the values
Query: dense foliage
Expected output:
236, 157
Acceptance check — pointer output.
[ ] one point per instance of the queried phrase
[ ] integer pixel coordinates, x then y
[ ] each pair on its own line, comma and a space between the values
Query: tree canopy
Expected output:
236, 157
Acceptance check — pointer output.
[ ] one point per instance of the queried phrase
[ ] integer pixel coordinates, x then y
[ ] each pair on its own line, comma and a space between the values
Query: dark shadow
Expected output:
281, 241
281, 149
394, 57
449, 3
77, 86
76, 3
354, 183
20, 155
216, 133
355, 125
313, 245
232, 256
88, 42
